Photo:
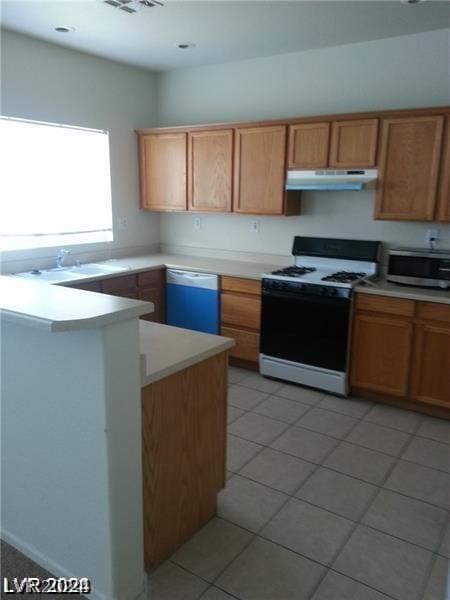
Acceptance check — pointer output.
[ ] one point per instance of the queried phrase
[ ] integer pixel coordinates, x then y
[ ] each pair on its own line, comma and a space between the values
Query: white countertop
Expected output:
166, 350
58, 308
384, 288
217, 266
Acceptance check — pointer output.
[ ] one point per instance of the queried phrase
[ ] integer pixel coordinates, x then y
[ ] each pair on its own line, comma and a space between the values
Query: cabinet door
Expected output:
381, 349
409, 166
354, 143
210, 170
443, 211
259, 170
431, 364
163, 171
308, 145
156, 296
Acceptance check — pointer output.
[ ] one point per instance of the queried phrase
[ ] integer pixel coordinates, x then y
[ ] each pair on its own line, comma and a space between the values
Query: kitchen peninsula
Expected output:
73, 365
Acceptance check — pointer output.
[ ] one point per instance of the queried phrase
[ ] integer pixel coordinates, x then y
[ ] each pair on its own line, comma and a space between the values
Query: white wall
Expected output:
45, 82
408, 71
71, 475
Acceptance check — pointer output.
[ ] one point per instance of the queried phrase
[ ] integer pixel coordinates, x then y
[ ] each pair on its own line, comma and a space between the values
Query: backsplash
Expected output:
323, 214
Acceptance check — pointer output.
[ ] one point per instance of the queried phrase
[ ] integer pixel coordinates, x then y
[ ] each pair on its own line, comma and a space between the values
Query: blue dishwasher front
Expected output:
193, 300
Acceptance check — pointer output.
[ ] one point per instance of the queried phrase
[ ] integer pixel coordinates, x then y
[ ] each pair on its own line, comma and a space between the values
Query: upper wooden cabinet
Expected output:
354, 143
163, 172
340, 144
259, 170
409, 168
443, 208
308, 145
210, 167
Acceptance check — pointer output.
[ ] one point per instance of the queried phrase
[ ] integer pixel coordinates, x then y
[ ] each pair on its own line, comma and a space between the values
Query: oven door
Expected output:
307, 329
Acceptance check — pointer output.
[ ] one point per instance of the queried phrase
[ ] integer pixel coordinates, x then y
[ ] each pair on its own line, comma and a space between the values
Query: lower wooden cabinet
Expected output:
381, 354
241, 315
149, 286
403, 353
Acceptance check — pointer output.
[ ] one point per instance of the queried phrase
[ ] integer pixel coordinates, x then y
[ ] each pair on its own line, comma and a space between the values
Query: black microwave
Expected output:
419, 267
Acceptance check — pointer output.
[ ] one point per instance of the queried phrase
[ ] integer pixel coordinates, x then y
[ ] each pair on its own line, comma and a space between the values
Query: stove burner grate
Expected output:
294, 271
344, 277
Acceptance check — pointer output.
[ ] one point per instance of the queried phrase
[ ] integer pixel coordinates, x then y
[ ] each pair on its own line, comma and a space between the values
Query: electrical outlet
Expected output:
122, 223
432, 235
197, 223
255, 225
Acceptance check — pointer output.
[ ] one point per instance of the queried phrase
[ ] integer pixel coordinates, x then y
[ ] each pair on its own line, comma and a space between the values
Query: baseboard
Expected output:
425, 409
56, 569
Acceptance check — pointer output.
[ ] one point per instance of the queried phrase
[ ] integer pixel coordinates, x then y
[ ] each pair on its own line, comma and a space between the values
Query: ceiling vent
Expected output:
132, 6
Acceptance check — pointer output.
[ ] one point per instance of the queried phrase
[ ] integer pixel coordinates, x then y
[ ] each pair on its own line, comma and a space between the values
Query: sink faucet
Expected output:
60, 256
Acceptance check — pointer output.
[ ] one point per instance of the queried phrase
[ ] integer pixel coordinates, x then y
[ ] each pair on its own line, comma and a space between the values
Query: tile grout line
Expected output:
256, 534
318, 465
369, 504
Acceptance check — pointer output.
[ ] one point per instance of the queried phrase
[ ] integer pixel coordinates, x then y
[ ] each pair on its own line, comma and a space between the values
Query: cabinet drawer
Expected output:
119, 284
243, 286
151, 278
247, 343
434, 311
244, 311
385, 304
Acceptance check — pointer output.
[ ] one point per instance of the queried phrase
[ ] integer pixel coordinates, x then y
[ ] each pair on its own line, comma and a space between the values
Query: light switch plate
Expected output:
122, 223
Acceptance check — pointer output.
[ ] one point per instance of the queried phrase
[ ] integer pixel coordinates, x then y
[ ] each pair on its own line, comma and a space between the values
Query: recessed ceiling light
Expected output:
63, 29
185, 45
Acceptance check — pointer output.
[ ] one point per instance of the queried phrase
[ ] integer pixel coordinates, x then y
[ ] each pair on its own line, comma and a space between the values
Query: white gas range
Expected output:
305, 317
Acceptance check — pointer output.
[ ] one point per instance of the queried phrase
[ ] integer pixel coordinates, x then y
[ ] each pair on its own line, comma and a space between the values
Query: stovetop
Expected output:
330, 262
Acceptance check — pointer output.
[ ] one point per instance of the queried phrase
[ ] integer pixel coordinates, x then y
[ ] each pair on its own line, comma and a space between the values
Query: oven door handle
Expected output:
305, 297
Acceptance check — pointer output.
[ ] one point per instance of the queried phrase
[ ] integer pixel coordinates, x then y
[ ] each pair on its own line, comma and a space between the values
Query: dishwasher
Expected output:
192, 300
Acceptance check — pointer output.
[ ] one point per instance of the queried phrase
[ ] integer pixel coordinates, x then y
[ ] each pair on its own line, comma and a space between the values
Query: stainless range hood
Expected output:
329, 180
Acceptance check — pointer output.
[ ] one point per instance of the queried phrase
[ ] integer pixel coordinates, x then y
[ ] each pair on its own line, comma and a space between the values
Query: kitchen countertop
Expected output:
385, 288
56, 308
218, 266
166, 350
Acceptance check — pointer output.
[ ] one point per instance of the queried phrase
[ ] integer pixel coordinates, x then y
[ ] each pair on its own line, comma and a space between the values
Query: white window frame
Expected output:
25, 242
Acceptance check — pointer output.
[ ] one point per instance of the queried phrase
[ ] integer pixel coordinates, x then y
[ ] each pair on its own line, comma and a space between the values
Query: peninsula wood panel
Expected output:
430, 373
354, 143
259, 170
183, 454
381, 350
443, 207
409, 168
210, 165
163, 171
243, 311
308, 145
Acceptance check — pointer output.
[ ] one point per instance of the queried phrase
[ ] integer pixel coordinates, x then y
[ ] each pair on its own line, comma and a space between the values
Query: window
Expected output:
55, 186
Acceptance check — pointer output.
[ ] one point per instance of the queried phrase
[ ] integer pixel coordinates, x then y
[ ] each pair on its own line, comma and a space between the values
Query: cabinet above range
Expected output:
242, 167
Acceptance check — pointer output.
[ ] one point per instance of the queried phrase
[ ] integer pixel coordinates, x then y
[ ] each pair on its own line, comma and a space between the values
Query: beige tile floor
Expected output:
326, 499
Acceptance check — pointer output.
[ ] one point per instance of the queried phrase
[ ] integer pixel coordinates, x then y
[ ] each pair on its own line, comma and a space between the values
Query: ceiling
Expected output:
222, 31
